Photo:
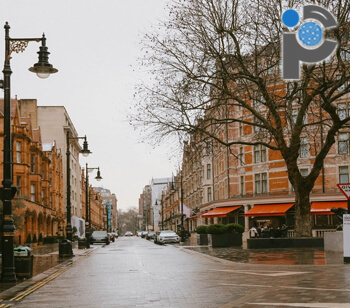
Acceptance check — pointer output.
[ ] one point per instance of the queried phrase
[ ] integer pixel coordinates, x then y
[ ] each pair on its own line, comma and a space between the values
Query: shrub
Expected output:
201, 229
40, 237
217, 229
235, 228
34, 238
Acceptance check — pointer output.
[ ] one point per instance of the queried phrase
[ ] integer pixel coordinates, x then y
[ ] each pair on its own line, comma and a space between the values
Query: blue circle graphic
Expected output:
290, 18
310, 34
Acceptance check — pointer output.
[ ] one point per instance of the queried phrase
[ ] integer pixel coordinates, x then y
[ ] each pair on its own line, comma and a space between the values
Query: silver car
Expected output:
166, 236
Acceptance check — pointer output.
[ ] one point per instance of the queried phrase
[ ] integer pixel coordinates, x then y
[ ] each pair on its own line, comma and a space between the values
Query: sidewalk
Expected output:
46, 262
277, 256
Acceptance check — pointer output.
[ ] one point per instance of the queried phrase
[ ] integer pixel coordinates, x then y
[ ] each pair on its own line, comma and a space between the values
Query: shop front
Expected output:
224, 215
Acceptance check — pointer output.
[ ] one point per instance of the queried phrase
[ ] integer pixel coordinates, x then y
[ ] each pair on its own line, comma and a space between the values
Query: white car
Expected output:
166, 236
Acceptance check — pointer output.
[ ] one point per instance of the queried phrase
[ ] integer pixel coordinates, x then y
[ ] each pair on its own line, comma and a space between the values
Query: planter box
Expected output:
235, 239
256, 243
202, 239
218, 240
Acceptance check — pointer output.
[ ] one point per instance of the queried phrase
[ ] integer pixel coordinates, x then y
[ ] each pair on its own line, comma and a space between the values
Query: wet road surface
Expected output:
133, 272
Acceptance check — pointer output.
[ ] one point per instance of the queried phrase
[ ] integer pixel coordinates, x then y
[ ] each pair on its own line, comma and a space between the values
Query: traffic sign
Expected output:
345, 189
86, 223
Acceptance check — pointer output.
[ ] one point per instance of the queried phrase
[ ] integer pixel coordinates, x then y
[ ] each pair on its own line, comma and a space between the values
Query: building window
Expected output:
18, 152
208, 148
295, 116
304, 150
209, 194
344, 174
208, 171
343, 110
261, 183
259, 153
343, 143
32, 192
242, 185
241, 129
32, 163
257, 127
42, 197
304, 172
19, 185
241, 156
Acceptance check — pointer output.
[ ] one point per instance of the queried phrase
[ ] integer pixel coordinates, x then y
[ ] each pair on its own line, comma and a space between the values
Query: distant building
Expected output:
109, 200
157, 186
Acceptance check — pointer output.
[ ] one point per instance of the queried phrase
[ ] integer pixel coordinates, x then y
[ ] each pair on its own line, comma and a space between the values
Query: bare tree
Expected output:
217, 62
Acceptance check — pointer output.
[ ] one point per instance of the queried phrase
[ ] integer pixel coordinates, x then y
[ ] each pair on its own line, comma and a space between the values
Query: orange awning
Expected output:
220, 211
265, 210
324, 208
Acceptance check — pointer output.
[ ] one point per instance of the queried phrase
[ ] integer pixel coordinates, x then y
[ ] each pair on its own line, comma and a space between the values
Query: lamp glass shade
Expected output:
98, 176
43, 75
85, 153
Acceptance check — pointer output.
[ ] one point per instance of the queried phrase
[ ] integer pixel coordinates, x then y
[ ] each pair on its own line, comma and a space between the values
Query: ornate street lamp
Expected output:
85, 151
87, 201
43, 69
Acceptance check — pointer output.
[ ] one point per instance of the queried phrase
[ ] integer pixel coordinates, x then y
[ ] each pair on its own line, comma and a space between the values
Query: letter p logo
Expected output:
307, 44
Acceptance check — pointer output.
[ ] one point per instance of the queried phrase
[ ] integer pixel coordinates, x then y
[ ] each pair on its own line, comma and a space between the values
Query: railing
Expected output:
315, 232
320, 232
290, 233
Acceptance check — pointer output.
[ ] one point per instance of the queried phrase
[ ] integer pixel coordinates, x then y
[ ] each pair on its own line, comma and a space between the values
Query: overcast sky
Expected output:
94, 45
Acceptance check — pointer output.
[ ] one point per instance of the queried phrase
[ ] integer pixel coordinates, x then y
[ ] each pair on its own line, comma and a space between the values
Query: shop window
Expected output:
321, 220
344, 174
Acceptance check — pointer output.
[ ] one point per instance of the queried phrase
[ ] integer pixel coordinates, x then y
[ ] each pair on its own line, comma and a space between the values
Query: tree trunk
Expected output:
303, 226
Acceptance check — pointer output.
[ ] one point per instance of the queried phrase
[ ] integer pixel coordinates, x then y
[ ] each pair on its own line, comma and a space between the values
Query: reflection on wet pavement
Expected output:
280, 256
45, 257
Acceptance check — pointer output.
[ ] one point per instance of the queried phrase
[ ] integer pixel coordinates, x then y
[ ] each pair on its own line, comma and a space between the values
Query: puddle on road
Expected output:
299, 256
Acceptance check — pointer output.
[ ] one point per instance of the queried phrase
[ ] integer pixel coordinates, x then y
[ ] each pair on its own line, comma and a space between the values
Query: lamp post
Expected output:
87, 201
43, 69
85, 151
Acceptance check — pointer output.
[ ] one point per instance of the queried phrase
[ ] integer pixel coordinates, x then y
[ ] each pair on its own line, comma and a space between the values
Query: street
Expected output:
134, 272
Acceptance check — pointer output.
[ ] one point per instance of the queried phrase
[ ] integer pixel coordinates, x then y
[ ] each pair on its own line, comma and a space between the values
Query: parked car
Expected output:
138, 233
128, 233
111, 237
99, 237
115, 234
150, 235
144, 234
166, 236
